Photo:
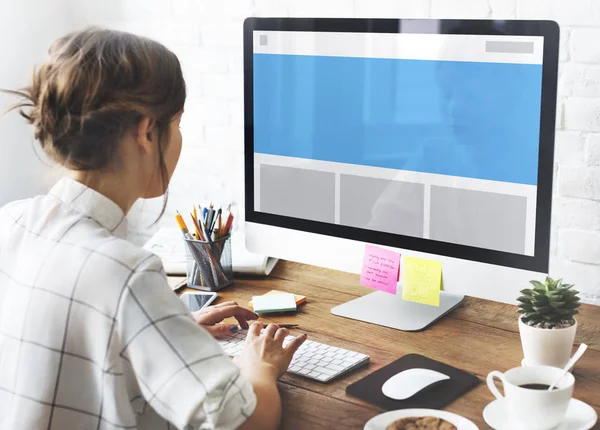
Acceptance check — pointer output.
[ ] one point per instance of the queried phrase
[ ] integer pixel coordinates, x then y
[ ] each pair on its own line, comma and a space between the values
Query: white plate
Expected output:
579, 416
381, 421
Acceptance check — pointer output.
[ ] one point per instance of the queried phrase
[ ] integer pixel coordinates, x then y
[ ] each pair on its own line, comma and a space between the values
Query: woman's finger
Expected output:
271, 330
254, 330
242, 321
221, 330
219, 314
293, 346
220, 305
281, 334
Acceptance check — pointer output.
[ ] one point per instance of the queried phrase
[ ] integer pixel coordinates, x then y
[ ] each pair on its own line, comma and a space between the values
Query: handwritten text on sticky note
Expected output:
422, 281
380, 269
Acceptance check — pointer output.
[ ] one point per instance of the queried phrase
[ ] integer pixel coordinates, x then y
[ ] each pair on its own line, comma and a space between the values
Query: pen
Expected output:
287, 325
209, 218
282, 325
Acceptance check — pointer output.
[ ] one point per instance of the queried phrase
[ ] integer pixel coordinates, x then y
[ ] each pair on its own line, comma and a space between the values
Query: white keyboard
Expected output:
313, 359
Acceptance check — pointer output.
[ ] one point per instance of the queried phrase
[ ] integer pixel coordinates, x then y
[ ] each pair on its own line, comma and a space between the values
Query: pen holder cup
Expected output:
208, 264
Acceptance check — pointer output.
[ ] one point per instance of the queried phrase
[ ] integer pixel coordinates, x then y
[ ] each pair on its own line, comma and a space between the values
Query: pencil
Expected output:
229, 225
219, 223
182, 226
197, 227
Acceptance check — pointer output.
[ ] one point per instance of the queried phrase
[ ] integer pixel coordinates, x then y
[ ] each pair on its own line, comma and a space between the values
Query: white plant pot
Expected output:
547, 347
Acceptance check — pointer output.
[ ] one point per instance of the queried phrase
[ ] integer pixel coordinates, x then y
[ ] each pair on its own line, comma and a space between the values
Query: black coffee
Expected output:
536, 387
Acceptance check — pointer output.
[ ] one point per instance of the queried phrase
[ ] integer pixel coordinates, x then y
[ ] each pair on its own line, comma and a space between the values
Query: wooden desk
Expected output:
479, 337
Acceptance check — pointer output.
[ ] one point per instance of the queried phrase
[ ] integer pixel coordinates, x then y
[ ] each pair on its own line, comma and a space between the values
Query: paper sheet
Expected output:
380, 269
422, 281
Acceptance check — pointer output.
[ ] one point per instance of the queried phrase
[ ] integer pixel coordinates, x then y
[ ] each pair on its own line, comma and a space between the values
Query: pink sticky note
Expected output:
380, 269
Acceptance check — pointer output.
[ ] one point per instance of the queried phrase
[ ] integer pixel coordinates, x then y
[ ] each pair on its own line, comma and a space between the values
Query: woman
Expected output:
91, 336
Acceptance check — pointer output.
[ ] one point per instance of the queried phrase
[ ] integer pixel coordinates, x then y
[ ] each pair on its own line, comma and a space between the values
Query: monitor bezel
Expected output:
539, 262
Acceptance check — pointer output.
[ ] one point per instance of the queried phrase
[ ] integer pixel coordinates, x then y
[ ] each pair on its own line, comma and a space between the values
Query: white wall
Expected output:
27, 28
207, 36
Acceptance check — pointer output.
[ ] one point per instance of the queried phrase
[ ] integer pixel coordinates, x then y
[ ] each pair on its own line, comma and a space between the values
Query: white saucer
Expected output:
579, 416
381, 421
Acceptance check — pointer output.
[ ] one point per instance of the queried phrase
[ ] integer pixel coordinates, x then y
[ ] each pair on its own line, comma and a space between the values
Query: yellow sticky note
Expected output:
422, 281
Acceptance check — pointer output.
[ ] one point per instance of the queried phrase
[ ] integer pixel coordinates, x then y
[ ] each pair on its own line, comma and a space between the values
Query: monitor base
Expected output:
391, 311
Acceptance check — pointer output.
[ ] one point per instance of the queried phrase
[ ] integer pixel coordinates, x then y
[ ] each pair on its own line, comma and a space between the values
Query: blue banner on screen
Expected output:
475, 120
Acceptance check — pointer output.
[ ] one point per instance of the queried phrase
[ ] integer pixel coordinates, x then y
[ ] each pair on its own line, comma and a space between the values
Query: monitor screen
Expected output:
424, 135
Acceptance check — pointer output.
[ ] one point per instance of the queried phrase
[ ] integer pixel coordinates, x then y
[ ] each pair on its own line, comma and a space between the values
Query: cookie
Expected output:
420, 423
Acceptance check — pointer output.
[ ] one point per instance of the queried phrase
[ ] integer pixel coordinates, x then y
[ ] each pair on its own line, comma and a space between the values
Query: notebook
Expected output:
168, 245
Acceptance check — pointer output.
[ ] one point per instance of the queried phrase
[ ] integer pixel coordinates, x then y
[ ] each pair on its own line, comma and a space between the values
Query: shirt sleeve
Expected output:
181, 370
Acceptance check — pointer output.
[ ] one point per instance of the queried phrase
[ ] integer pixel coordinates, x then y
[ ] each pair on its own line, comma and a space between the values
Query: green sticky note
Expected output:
274, 303
422, 281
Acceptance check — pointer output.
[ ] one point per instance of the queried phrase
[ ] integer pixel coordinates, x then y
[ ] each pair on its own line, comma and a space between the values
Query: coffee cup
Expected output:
527, 400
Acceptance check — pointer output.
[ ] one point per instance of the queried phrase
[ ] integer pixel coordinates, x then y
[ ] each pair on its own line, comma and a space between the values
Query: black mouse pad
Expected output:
435, 396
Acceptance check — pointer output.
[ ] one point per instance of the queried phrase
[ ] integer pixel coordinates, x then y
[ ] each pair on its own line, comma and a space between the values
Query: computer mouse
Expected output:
409, 382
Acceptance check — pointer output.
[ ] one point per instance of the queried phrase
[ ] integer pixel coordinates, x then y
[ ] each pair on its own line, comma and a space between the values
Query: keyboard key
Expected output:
325, 371
323, 378
337, 361
335, 367
314, 374
304, 372
348, 363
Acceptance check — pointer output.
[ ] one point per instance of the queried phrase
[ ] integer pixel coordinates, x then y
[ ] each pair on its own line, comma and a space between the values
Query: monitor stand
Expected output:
391, 311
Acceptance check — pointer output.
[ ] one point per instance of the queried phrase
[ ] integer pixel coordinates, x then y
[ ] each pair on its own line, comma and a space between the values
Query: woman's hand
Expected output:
264, 355
210, 318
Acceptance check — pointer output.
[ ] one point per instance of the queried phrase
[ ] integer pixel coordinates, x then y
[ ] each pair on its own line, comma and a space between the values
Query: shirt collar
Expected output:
91, 203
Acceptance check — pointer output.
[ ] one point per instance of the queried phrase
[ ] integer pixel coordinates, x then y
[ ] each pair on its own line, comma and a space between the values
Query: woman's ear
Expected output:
145, 134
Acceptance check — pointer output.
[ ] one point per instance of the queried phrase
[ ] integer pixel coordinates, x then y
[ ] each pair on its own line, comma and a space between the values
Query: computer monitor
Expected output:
434, 138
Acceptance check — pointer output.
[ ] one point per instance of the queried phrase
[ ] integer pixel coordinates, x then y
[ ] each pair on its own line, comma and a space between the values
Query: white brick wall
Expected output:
207, 36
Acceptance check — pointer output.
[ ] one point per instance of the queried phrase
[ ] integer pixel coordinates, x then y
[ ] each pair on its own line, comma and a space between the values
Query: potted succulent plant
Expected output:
547, 324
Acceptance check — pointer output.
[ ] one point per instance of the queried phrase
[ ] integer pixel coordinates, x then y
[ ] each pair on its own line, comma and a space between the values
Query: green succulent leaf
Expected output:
526, 308
538, 285
557, 305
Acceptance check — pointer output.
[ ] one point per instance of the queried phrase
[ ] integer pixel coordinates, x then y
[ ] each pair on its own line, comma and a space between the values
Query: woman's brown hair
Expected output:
95, 85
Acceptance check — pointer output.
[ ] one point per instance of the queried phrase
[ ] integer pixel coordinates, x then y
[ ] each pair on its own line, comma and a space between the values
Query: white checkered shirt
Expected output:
91, 336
